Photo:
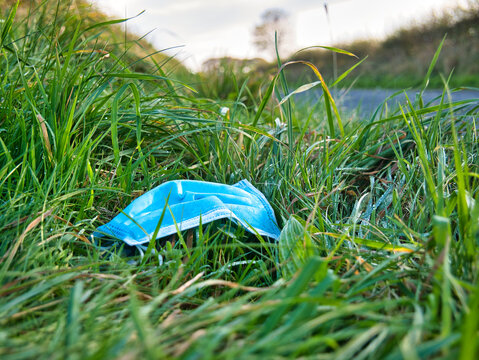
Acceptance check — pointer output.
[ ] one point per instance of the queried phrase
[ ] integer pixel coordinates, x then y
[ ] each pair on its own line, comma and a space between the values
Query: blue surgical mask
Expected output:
188, 203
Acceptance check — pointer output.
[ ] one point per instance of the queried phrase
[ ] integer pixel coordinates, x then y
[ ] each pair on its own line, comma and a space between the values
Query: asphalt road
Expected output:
367, 100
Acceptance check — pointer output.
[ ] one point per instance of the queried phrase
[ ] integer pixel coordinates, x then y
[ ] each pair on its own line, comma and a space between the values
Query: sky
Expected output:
201, 29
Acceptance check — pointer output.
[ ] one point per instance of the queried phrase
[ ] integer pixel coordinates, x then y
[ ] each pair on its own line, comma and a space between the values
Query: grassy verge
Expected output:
378, 253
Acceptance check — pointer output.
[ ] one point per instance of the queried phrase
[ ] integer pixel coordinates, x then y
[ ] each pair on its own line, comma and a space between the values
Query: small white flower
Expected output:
224, 110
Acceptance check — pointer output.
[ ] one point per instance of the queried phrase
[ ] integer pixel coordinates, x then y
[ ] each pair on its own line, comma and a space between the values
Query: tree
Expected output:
272, 20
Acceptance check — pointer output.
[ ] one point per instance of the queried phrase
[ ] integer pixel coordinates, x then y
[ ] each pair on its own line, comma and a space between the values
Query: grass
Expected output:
378, 253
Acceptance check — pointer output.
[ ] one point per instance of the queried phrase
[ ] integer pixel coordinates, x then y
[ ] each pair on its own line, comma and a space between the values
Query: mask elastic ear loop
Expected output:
142, 248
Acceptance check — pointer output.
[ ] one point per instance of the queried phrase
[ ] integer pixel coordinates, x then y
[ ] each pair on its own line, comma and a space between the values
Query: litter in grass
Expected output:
185, 204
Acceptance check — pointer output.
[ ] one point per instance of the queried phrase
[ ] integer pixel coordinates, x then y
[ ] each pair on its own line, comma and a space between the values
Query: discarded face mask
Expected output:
189, 202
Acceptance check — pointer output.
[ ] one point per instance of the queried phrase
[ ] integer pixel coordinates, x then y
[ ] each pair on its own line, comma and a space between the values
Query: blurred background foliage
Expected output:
136, 51
399, 61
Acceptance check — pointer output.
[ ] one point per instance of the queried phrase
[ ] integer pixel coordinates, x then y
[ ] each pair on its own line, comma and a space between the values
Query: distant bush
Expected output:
403, 58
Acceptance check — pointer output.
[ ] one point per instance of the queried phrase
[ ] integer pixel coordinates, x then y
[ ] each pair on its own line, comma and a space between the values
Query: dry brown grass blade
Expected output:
19, 242
25, 218
215, 282
17, 222
35, 308
189, 245
364, 263
56, 236
230, 284
125, 298
46, 139
171, 318
182, 347
187, 284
